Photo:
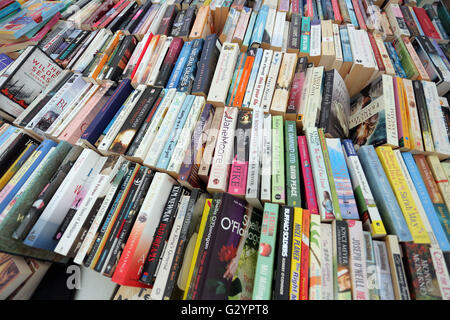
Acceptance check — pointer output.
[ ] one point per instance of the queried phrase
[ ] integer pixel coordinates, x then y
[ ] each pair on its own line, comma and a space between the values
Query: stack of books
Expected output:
192, 148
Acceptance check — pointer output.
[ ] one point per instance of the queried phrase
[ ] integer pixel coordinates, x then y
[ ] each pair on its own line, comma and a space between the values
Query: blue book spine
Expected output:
15, 6
179, 66
166, 154
300, 7
249, 32
329, 9
395, 60
351, 12
43, 148
320, 10
253, 74
442, 237
188, 75
345, 41
258, 30
315, 11
384, 196
441, 53
8, 132
107, 112
112, 120
342, 182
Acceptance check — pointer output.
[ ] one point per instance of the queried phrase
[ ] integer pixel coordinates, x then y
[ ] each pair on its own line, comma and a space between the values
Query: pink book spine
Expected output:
310, 191
398, 110
238, 177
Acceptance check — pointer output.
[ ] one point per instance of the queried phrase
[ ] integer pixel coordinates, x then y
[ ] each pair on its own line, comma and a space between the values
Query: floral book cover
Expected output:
220, 271
242, 285
423, 283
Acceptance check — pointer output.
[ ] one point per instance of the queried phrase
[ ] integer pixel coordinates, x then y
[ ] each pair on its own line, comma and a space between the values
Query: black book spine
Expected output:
107, 219
207, 65
177, 24
167, 21
189, 19
181, 246
129, 196
410, 24
421, 106
326, 101
123, 45
144, 126
284, 253
13, 151
72, 46
136, 19
161, 235
117, 22
125, 230
294, 33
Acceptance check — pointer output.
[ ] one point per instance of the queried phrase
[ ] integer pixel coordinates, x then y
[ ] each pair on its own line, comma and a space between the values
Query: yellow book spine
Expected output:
205, 214
12, 169
440, 177
294, 288
403, 194
402, 100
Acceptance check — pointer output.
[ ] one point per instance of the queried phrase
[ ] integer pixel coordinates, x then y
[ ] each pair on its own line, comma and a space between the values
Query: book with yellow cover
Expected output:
401, 101
403, 194
294, 288
197, 244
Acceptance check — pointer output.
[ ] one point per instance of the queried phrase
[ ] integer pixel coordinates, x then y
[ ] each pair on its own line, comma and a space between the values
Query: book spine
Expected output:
385, 199
442, 273
292, 165
283, 273
327, 280
296, 235
261, 78
207, 65
278, 172
358, 267
264, 268
307, 175
315, 260
266, 165
440, 178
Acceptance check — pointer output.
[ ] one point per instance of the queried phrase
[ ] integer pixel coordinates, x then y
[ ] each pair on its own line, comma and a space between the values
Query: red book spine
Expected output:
142, 55
425, 23
304, 256
359, 17
308, 181
111, 14
309, 9
295, 8
174, 50
336, 11
376, 52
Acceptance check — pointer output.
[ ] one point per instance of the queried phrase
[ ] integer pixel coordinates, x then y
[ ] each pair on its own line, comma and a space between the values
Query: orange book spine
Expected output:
240, 93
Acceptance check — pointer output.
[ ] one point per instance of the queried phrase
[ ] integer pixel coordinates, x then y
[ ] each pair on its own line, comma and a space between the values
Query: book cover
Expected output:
383, 270
373, 282
307, 175
358, 267
296, 233
278, 165
315, 259
293, 195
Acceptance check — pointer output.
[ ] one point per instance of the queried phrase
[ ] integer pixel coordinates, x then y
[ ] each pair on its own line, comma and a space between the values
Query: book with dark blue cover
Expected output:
384, 196
107, 112
190, 70
179, 66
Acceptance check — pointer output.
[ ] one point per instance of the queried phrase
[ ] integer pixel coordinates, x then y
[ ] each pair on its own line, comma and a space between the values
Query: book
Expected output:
296, 244
263, 275
341, 263
293, 195
398, 275
315, 259
441, 271
326, 239
383, 270
373, 281
358, 267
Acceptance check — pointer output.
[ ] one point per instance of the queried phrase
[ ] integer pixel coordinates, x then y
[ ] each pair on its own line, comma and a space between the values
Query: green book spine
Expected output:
326, 159
406, 60
24, 202
305, 33
262, 287
292, 165
278, 181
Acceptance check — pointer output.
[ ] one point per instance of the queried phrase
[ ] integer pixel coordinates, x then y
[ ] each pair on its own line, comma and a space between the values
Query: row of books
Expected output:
142, 228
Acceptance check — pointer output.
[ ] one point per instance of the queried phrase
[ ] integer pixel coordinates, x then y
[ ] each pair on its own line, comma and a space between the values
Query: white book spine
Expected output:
185, 136
337, 43
319, 171
261, 78
315, 43
157, 119
417, 201
358, 267
266, 169
156, 22
115, 128
89, 54
285, 36
278, 30
68, 109
327, 279
224, 72
138, 77
81, 174
356, 49
76, 109
223, 154
272, 77
390, 112
442, 273
167, 259
152, 78
99, 186
315, 98
383, 271
305, 90
270, 24
135, 56
83, 48
164, 130
90, 235
254, 163
437, 122
253, 78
